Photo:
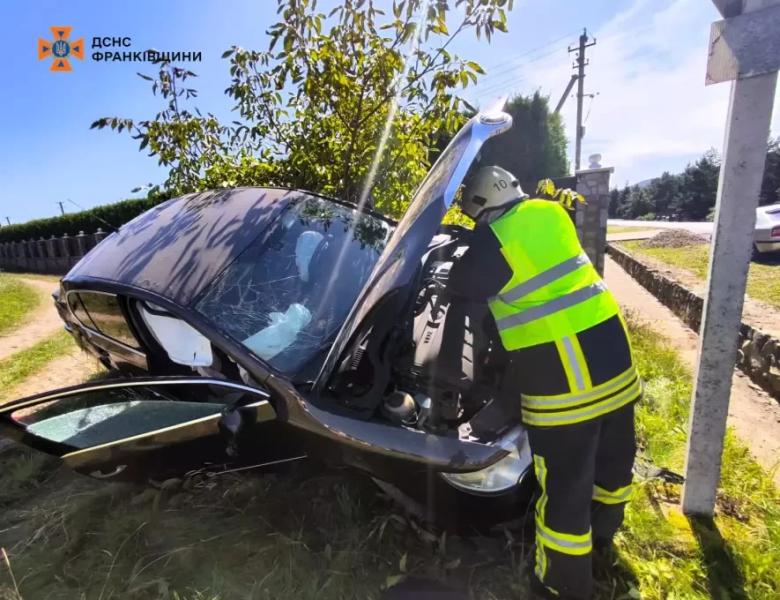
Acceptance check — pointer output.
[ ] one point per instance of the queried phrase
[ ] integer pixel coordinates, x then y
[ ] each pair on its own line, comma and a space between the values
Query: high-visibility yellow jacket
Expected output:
554, 291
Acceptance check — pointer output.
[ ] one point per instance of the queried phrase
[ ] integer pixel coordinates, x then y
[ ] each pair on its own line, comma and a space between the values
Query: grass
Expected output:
26, 363
329, 534
17, 299
735, 556
628, 228
763, 279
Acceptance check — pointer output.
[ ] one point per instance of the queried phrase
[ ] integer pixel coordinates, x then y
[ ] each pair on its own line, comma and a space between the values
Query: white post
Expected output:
741, 172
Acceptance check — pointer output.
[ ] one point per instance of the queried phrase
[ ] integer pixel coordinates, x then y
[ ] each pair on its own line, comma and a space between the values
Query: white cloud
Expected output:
653, 110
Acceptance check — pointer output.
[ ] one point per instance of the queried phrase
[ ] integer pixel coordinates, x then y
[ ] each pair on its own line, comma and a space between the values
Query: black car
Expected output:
263, 325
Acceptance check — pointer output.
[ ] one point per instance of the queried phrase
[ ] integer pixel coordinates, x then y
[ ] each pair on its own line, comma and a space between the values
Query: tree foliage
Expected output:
690, 195
535, 147
342, 103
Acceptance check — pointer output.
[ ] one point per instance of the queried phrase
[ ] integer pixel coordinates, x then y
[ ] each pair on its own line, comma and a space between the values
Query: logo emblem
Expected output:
61, 49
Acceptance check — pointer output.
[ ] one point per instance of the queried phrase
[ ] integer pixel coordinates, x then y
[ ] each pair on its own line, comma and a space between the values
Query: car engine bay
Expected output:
446, 372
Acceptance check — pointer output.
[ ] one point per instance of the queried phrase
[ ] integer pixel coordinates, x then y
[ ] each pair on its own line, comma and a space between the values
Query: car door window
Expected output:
106, 413
101, 312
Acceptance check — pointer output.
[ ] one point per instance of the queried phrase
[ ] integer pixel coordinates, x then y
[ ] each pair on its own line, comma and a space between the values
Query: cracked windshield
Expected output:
286, 296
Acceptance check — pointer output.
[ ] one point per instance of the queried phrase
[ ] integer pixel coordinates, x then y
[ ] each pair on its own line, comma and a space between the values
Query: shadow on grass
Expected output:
724, 577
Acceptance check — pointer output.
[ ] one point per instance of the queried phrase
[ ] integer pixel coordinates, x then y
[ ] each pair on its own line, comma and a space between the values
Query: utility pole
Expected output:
62, 208
7, 220
743, 50
580, 64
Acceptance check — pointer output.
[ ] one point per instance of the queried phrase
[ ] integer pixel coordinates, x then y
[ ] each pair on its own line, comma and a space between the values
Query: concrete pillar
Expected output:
591, 218
741, 172
81, 244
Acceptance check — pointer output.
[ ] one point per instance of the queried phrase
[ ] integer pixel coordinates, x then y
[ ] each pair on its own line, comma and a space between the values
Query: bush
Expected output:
646, 217
87, 221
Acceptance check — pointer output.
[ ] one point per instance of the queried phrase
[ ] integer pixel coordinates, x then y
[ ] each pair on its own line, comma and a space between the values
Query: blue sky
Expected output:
652, 113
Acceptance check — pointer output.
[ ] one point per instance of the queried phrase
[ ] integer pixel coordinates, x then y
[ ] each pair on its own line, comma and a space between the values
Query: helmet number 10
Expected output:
500, 184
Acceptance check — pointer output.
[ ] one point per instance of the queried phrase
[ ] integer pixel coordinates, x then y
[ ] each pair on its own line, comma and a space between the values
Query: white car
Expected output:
766, 237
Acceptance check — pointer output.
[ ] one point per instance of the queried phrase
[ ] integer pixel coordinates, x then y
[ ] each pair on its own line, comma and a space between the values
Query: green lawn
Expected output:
17, 299
330, 534
763, 279
26, 363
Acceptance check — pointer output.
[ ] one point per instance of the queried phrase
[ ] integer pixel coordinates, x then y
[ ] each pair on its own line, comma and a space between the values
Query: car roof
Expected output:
178, 247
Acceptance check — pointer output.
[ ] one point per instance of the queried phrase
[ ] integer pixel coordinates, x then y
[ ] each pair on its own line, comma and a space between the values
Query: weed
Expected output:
17, 300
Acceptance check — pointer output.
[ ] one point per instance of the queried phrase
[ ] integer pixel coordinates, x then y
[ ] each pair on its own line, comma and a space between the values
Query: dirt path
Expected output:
71, 368
40, 324
754, 415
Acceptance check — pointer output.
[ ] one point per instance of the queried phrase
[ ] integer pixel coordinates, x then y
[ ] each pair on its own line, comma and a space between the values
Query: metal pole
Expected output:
741, 172
580, 93
565, 94
580, 76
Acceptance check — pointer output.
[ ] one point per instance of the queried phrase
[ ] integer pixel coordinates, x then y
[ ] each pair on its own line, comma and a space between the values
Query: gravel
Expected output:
674, 238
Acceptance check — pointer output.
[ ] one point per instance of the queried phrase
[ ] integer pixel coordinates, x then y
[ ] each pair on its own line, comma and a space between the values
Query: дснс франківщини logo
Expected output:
61, 49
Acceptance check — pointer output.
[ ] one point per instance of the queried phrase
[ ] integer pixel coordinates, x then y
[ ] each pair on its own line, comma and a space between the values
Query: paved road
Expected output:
694, 226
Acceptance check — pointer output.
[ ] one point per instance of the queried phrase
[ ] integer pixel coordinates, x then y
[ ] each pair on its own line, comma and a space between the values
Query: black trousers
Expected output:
584, 473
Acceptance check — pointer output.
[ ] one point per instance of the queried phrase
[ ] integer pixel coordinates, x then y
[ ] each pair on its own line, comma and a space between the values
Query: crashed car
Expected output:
257, 326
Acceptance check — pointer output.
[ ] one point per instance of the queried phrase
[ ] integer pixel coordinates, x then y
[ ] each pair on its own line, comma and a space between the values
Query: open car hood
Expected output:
397, 267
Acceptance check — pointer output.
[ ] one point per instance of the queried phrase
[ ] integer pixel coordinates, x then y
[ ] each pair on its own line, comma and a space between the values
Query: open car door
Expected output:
134, 429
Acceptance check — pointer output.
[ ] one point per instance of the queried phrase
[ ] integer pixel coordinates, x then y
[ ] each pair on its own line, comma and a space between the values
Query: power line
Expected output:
503, 63
494, 85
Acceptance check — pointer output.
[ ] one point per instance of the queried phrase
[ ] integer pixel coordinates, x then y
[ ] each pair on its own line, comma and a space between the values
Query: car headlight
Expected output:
498, 477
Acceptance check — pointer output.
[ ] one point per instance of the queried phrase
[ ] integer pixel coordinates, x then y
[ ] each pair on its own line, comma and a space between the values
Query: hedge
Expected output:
87, 221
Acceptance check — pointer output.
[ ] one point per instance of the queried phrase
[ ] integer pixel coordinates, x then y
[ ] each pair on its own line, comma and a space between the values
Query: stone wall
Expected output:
54, 256
591, 218
759, 353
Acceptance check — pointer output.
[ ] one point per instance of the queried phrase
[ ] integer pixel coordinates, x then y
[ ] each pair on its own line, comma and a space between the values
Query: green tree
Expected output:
341, 103
664, 192
614, 202
698, 187
770, 186
535, 147
623, 200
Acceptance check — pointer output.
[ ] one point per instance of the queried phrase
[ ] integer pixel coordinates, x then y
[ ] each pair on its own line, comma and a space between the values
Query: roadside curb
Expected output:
758, 354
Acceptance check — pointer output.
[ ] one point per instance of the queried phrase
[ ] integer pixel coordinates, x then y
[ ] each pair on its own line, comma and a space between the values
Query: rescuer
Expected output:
572, 370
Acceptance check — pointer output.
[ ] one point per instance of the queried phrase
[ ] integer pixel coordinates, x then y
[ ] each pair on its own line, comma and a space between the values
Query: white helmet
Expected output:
489, 188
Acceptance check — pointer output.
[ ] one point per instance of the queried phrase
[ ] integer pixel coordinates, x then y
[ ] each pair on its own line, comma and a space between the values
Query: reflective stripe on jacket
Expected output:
554, 291
580, 406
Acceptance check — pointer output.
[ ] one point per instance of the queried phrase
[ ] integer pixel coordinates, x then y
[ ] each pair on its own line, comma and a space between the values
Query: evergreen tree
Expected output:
698, 187
770, 186
535, 147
